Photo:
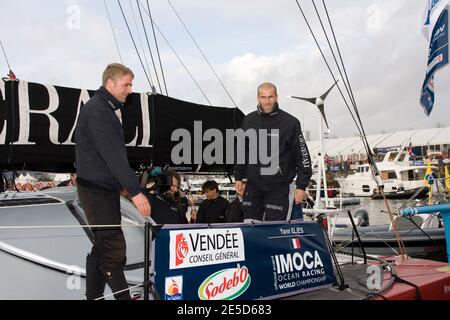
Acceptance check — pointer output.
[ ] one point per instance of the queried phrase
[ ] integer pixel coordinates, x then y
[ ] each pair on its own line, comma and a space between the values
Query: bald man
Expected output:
266, 196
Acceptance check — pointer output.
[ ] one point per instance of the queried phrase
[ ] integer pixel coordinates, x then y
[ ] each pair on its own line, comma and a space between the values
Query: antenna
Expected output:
6, 57
11, 74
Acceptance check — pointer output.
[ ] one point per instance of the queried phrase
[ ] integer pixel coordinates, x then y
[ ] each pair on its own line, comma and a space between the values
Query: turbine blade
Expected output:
311, 100
326, 93
322, 111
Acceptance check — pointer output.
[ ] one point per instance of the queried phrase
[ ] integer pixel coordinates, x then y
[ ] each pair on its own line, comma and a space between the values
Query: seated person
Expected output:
234, 211
169, 204
214, 208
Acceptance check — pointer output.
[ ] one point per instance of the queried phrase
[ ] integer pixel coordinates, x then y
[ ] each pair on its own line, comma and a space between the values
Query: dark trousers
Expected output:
2, 182
106, 262
271, 205
297, 212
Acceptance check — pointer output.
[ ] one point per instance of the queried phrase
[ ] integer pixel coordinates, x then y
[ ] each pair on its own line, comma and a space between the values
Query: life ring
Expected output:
20, 186
29, 187
39, 186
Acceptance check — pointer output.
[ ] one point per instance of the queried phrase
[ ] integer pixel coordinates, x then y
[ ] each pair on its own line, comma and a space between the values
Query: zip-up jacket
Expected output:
294, 158
212, 211
101, 154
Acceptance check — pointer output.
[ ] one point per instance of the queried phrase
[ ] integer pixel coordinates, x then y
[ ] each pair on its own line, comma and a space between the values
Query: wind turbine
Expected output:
320, 103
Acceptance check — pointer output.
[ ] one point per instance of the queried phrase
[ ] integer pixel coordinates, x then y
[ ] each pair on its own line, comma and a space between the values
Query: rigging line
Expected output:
179, 59
6, 57
120, 291
345, 80
185, 67
140, 40
328, 65
419, 190
352, 97
72, 226
358, 124
420, 228
114, 34
202, 53
157, 47
134, 43
149, 48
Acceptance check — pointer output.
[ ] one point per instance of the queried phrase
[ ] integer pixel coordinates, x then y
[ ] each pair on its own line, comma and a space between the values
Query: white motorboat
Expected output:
400, 177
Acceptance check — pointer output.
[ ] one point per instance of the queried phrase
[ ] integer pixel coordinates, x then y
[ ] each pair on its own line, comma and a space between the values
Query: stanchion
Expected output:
146, 260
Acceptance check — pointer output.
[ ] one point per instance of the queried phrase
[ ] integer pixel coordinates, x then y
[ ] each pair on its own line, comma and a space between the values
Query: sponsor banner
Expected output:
173, 288
193, 248
226, 284
266, 260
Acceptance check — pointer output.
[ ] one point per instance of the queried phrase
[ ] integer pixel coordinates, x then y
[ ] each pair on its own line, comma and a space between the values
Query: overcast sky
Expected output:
68, 43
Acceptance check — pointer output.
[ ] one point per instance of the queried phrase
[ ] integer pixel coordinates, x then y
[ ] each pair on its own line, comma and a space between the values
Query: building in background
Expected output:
434, 142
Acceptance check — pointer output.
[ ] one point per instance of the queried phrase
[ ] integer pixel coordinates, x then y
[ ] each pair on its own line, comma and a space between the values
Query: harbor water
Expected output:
378, 213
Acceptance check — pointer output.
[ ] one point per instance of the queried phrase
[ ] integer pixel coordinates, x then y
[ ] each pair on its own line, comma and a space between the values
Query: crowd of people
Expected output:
171, 205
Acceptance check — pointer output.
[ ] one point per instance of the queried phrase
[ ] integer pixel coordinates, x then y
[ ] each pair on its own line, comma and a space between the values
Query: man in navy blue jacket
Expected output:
102, 172
267, 195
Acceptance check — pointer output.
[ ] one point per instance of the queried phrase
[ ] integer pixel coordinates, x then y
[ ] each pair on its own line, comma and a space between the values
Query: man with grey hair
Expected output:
102, 172
266, 196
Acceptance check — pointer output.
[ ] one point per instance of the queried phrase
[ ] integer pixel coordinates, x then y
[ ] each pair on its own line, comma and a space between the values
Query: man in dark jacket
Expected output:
267, 195
214, 208
102, 172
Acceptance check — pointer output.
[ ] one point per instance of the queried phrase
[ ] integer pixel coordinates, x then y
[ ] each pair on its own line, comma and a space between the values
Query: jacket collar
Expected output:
274, 112
112, 101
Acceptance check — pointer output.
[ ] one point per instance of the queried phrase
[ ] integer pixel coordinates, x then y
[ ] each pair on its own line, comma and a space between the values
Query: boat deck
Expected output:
409, 279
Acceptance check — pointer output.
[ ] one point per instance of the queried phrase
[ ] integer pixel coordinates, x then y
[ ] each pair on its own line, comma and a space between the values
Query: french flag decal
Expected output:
295, 243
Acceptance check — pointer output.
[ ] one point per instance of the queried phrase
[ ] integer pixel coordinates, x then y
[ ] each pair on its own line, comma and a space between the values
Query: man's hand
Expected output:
142, 204
299, 195
238, 186
193, 215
